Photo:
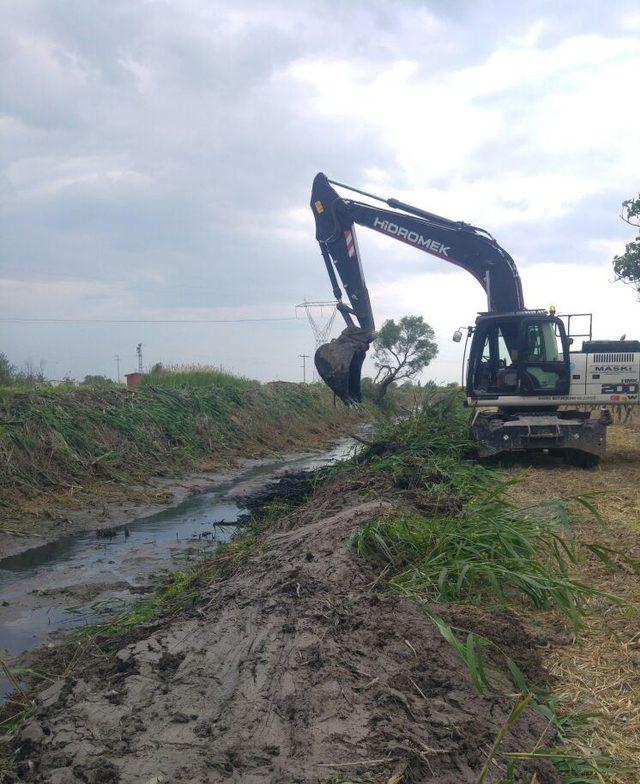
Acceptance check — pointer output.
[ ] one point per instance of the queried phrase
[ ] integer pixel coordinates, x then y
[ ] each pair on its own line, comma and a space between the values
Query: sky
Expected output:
156, 159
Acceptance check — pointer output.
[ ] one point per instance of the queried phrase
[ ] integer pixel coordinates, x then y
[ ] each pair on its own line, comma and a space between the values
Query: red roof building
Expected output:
133, 379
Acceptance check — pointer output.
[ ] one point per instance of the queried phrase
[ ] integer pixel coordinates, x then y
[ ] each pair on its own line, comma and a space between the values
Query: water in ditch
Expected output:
81, 577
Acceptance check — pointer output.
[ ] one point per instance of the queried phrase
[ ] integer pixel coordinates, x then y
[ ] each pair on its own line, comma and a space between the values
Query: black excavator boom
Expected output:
339, 362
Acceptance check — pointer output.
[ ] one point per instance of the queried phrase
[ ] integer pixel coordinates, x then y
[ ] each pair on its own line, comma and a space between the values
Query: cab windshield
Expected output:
520, 357
541, 342
541, 370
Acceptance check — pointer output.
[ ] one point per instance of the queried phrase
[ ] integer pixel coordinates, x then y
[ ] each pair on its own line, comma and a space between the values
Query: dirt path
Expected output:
293, 669
602, 672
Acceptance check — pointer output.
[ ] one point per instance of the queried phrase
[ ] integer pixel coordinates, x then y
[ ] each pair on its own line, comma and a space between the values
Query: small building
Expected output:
133, 379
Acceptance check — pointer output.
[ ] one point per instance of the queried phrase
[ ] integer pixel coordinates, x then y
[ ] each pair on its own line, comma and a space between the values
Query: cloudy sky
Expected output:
157, 155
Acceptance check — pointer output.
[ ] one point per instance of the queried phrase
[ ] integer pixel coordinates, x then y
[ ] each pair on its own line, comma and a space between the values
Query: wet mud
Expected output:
296, 667
88, 574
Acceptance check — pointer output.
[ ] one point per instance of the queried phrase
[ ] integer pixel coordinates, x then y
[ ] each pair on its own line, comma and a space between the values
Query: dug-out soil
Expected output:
296, 667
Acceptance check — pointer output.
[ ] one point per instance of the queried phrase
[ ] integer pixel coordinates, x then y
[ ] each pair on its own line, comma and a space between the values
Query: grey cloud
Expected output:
191, 135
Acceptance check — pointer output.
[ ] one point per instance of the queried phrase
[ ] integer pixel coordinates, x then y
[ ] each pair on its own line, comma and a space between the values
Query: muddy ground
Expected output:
83, 577
299, 667
296, 667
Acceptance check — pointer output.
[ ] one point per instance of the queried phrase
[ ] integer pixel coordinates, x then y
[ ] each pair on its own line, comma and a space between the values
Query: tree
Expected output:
27, 376
627, 266
402, 350
7, 371
96, 381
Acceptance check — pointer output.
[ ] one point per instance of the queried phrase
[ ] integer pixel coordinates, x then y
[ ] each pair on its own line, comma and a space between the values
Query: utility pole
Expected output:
117, 359
304, 358
139, 353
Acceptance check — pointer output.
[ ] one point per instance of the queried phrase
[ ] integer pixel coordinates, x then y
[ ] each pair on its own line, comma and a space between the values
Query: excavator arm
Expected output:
339, 362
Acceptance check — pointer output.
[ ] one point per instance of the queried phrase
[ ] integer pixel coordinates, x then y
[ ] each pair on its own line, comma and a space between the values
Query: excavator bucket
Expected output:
339, 363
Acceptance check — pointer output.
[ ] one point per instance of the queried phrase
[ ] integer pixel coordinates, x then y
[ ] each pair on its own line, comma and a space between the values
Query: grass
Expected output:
474, 545
55, 439
484, 549
600, 675
491, 553
200, 376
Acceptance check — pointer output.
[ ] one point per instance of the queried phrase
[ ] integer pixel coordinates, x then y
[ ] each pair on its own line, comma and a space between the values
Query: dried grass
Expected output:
601, 673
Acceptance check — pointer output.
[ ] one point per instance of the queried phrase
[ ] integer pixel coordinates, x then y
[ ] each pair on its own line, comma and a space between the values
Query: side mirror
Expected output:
457, 336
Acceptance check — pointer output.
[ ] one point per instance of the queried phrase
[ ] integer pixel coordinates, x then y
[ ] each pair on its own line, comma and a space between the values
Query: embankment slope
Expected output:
66, 449
295, 668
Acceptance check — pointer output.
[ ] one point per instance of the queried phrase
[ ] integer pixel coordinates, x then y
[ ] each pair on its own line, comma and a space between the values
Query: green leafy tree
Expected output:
26, 376
7, 371
97, 381
627, 266
402, 350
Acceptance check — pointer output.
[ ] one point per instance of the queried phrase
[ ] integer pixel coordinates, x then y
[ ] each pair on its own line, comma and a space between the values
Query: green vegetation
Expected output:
475, 547
491, 553
56, 438
198, 376
402, 350
627, 266
11, 376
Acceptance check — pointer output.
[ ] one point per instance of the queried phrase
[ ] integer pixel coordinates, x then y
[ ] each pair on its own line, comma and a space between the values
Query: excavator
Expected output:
523, 381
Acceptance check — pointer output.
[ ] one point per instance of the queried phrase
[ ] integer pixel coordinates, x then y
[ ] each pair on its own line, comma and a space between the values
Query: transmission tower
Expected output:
139, 353
319, 321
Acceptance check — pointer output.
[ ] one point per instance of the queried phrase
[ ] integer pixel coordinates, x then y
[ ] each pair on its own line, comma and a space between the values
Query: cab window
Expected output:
520, 357
541, 344
496, 371
542, 368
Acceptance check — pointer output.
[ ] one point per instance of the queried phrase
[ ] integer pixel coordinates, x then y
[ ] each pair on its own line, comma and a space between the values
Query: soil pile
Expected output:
297, 667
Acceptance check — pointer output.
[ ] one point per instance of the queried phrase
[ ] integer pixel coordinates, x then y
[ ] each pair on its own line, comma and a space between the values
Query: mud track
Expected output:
297, 667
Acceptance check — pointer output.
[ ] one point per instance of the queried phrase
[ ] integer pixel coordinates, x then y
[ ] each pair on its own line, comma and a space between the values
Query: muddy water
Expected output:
79, 578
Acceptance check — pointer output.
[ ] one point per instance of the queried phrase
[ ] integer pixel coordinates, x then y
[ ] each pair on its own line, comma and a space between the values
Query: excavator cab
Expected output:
518, 354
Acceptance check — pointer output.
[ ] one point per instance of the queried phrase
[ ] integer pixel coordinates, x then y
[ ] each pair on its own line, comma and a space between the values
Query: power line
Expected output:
141, 321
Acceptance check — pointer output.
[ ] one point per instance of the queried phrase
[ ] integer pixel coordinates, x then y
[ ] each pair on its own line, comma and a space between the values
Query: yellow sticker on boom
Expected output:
319, 207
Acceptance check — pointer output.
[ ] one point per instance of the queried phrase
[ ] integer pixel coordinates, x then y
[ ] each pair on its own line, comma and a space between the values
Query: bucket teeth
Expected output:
339, 363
